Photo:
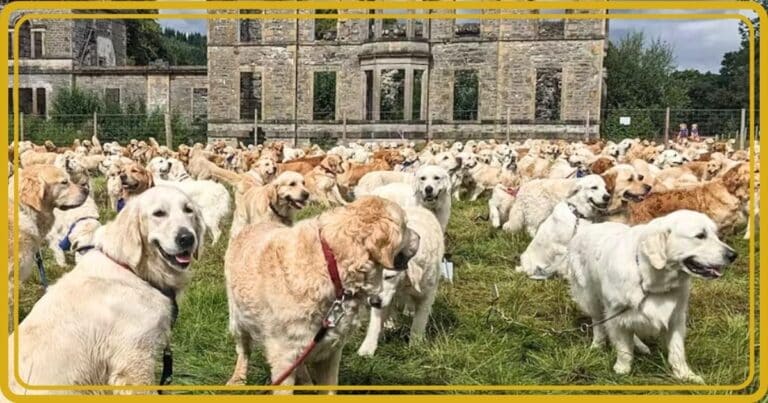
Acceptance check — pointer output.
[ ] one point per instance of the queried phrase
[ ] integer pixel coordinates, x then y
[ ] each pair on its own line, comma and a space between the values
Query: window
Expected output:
326, 28
40, 101
548, 88
417, 82
10, 45
467, 27
25, 41
250, 95
37, 45
369, 94
465, 95
418, 25
250, 29
371, 25
112, 97
199, 104
392, 94
394, 28
25, 101
549, 27
324, 96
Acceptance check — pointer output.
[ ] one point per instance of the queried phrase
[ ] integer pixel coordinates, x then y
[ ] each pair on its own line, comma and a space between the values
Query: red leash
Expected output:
331, 318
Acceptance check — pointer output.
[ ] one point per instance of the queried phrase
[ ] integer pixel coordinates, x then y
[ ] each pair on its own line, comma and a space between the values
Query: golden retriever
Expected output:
104, 322
276, 202
42, 188
279, 288
322, 184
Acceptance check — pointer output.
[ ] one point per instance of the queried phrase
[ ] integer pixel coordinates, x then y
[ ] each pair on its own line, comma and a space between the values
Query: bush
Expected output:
641, 125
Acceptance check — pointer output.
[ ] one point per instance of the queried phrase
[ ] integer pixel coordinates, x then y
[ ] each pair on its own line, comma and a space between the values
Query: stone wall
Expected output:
506, 54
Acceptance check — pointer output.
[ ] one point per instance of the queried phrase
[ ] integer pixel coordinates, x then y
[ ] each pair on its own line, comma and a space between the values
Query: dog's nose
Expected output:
305, 195
123, 177
428, 190
646, 188
185, 238
606, 197
730, 255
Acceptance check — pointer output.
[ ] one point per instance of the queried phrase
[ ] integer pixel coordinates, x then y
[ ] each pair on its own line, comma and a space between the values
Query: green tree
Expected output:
734, 69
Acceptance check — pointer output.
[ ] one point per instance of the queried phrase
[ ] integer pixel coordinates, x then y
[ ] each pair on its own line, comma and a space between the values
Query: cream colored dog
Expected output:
279, 289
104, 322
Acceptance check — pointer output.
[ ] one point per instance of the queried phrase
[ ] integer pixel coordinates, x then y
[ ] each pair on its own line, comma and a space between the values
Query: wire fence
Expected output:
64, 129
615, 124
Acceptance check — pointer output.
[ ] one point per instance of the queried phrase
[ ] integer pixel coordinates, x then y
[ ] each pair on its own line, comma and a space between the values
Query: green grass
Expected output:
516, 344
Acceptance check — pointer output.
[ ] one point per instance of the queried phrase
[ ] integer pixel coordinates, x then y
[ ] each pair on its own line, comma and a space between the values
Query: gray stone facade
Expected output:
506, 55
91, 54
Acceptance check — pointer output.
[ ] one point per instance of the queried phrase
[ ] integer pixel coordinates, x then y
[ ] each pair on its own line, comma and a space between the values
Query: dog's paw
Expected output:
622, 368
236, 381
689, 377
366, 350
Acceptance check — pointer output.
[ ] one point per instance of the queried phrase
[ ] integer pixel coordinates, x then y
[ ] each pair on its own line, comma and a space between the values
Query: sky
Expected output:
697, 44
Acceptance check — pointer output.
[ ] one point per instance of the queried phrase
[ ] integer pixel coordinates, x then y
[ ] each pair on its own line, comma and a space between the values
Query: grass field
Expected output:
516, 344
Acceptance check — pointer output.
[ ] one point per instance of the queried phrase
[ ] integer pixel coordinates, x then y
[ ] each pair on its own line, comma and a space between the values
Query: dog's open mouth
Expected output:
297, 204
702, 270
629, 196
599, 206
430, 197
180, 260
130, 186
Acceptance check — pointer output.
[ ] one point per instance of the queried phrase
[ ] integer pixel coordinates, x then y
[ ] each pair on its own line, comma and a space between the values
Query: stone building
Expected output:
298, 78
91, 54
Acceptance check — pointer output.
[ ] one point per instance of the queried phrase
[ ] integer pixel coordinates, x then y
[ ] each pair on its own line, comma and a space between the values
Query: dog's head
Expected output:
135, 179
266, 167
468, 160
624, 181
430, 183
590, 194
160, 166
686, 240
736, 180
289, 190
600, 165
157, 235
447, 161
551, 151
332, 164
45, 187
669, 158
374, 230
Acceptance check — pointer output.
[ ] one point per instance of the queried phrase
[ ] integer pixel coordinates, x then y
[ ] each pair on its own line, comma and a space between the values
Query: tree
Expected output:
734, 69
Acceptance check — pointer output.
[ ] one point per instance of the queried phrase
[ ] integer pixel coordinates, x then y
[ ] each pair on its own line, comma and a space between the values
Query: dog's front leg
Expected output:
676, 349
326, 372
624, 344
371, 342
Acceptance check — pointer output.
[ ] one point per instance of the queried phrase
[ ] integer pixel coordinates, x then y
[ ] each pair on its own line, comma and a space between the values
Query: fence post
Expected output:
743, 129
344, 127
255, 127
666, 129
168, 133
95, 124
509, 114
587, 128
21, 126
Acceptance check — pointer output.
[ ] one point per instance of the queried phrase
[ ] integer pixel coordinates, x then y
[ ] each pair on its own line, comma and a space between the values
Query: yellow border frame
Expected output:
435, 5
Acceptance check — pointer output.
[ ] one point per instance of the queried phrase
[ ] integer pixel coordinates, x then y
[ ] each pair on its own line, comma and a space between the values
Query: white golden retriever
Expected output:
104, 322
637, 280
536, 199
211, 197
545, 255
416, 287
430, 188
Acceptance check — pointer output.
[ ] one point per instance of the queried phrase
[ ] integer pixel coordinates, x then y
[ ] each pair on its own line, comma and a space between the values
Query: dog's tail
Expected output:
221, 174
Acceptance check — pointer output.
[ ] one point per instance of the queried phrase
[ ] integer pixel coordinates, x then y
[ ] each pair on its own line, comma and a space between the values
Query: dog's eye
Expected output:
445, 158
640, 177
159, 213
292, 184
631, 178
423, 178
594, 187
187, 209
701, 235
64, 182
437, 178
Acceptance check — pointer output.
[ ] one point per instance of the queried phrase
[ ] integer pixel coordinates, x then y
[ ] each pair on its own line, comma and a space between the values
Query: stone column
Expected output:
408, 104
376, 104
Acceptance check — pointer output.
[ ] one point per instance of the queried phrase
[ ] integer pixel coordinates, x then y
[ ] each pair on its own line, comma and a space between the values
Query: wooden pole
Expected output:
743, 129
168, 134
508, 128
666, 129
586, 131
95, 124
21, 126
255, 127
344, 128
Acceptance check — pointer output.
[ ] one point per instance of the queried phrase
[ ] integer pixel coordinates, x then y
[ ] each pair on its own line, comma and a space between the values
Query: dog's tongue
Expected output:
183, 258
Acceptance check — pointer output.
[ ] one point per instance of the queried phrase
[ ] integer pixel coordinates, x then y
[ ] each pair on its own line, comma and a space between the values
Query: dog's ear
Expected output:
32, 190
200, 230
654, 247
122, 239
609, 177
381, 243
